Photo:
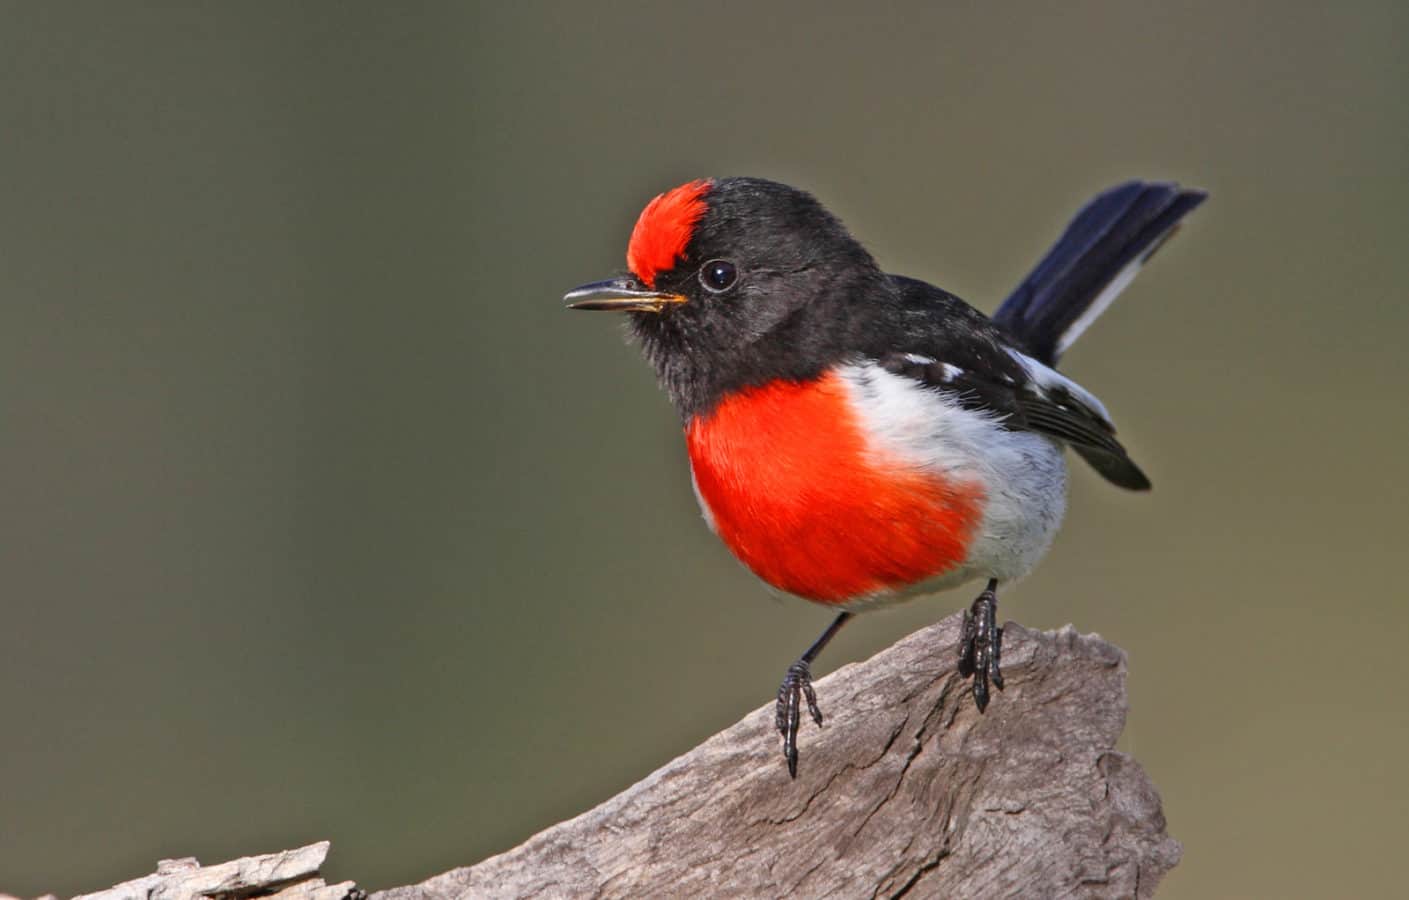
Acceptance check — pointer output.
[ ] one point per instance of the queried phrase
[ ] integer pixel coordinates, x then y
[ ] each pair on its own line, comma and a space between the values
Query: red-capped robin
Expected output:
858, 438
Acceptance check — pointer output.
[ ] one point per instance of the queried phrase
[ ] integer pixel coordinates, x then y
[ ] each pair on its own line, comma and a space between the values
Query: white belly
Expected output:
1023, 474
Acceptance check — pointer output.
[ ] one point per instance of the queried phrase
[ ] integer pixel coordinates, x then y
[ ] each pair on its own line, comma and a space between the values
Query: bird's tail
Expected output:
1100, 253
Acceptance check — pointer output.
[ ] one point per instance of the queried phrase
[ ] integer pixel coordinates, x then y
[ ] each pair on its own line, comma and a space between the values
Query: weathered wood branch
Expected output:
907, 791
287, 875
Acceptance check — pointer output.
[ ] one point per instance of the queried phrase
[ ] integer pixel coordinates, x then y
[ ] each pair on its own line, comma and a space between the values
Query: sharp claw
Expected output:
981, 690
811, 696
980, 645
790, 734
995, 674
796, 687
966, 646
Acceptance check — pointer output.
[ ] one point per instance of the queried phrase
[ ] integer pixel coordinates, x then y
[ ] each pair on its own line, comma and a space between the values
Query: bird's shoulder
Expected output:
946, 345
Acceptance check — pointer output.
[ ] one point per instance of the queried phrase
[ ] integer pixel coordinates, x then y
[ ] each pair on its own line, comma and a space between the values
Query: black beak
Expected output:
620, 295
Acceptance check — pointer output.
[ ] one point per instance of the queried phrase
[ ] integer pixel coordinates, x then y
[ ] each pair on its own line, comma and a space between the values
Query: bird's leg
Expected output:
796, 686
980, 644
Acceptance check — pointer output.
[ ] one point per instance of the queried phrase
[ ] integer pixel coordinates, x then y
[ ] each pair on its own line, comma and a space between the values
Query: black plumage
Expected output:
1120, 227
971, 358
809, 297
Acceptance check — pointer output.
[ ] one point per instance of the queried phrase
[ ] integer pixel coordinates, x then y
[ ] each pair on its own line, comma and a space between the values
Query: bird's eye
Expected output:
718, 275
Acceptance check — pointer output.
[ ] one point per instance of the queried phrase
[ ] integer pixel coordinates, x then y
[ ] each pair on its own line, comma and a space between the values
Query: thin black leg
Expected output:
797, 686
981, 645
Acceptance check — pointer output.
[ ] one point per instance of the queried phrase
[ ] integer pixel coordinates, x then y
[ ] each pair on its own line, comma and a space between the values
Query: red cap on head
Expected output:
663, 231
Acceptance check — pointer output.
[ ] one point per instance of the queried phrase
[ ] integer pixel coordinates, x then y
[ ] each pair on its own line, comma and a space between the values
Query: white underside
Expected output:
1023, 475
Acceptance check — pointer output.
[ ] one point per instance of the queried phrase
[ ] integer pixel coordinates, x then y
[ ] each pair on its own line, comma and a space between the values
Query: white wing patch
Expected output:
1045, 378
947, 372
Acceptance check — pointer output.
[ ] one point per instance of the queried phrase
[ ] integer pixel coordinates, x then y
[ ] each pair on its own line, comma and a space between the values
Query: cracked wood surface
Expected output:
907, 791
286, 875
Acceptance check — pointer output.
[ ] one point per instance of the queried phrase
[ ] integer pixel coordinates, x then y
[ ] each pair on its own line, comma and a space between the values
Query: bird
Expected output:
858, 438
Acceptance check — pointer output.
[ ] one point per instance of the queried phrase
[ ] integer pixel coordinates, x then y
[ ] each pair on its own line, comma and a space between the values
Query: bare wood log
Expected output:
907, 791
286, 875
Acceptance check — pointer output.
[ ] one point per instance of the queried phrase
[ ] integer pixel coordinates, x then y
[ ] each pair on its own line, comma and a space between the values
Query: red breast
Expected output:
800, 494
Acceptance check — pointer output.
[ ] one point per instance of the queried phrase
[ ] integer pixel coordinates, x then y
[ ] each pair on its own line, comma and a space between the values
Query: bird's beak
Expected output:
620, 295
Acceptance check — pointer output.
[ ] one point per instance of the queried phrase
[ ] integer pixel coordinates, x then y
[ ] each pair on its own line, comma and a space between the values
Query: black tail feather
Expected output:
1092, 261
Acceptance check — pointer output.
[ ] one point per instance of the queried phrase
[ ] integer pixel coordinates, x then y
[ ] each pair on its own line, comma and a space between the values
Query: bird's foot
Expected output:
980, 645
796, 686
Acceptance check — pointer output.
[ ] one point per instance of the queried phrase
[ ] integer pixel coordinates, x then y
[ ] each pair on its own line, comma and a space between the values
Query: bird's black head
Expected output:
736, 282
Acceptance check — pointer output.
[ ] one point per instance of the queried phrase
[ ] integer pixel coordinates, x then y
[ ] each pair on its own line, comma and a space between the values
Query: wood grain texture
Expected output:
286, 875
907, 791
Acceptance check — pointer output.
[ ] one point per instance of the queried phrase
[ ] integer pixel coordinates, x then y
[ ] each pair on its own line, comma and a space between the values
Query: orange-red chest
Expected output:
797, 490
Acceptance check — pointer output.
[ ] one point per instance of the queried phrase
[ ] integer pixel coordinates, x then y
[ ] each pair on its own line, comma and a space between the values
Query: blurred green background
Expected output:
321, 519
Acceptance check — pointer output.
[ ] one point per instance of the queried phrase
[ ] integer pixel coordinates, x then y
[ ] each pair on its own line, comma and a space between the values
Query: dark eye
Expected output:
718, 275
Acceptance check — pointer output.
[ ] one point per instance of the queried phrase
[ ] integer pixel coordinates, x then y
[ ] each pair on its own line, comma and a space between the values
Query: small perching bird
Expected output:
858, 438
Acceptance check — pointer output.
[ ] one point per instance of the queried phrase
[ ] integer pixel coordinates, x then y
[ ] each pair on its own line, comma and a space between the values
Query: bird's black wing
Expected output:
954, 348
